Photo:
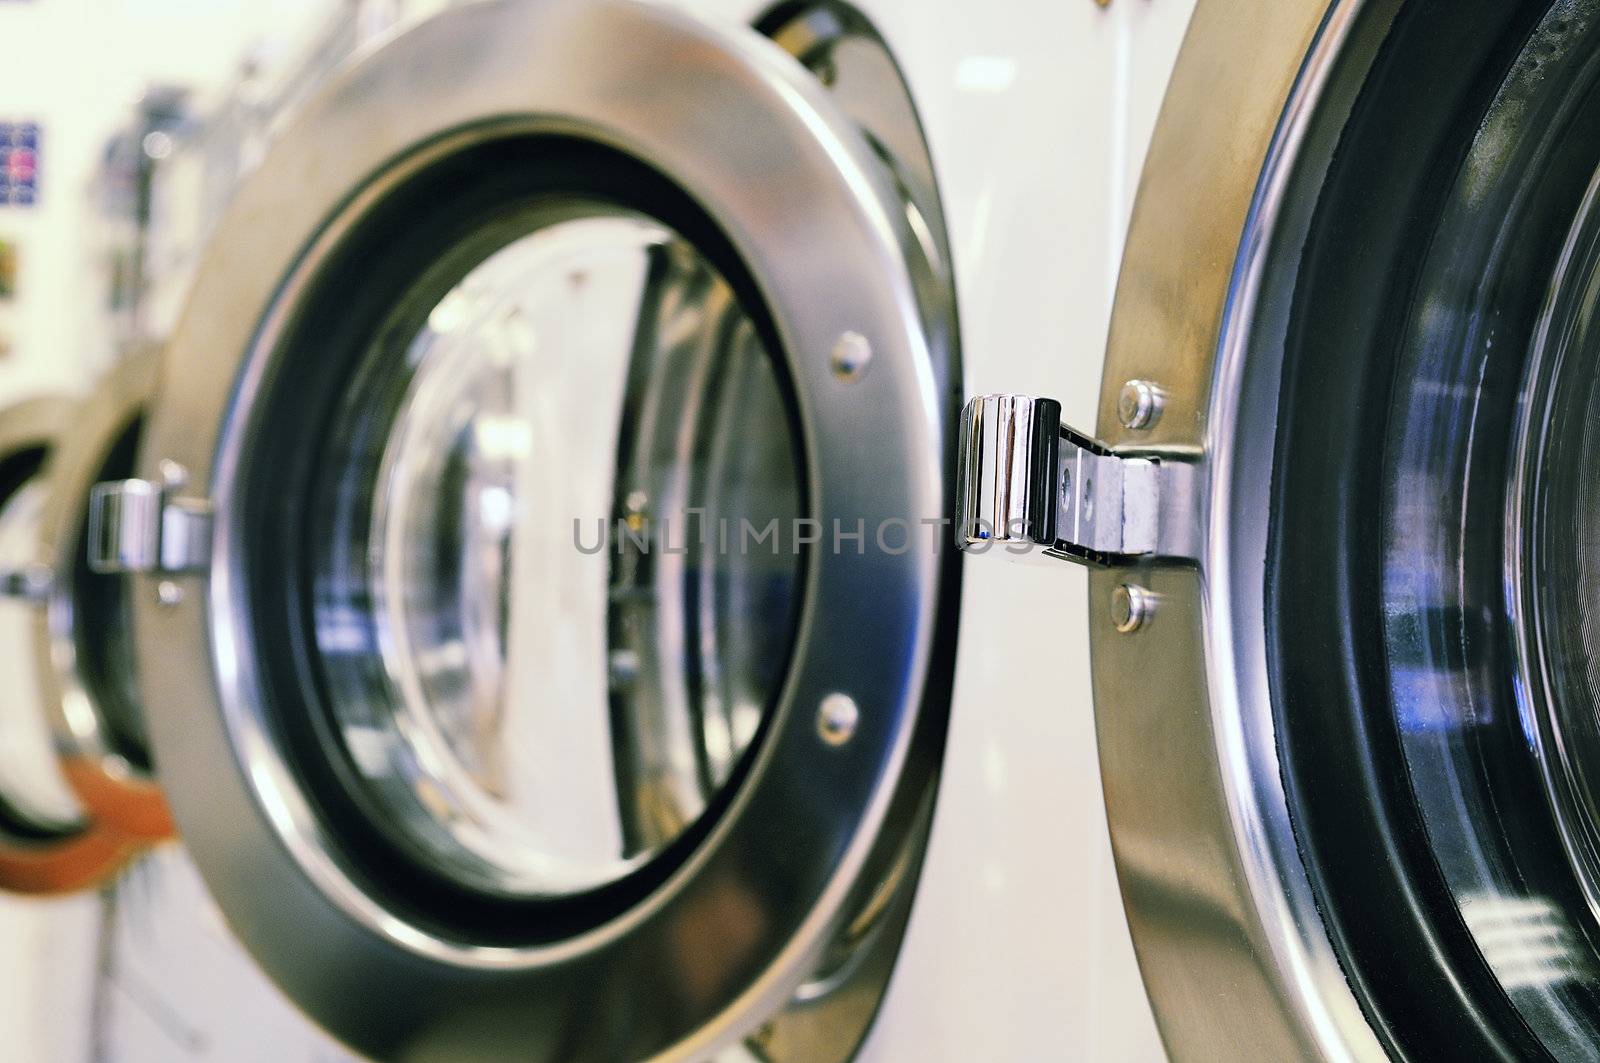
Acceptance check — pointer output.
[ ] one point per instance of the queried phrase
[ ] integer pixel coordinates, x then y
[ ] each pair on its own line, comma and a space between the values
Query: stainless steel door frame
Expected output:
113, 788
87, 854
807, 203
1233, 951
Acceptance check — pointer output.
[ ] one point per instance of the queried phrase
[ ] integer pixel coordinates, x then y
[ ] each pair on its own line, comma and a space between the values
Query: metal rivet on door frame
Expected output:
1131, 607
837, 718
851, 354
1140, 404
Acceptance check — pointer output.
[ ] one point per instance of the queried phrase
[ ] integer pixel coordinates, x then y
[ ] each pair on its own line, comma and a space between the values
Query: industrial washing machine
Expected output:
548, 609
78, 799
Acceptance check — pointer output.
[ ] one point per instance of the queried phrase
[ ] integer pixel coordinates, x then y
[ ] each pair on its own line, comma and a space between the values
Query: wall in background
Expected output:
77, 68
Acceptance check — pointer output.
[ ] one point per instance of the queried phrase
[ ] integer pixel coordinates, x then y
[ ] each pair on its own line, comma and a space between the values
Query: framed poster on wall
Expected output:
19, 164
9, 266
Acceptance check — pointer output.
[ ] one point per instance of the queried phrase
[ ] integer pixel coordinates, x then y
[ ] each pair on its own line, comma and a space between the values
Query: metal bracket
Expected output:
1027, 481
139, 526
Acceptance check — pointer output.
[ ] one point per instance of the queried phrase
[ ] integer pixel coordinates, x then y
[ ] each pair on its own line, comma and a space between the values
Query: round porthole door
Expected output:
50, 842
83, 625
539, 590
1342, 612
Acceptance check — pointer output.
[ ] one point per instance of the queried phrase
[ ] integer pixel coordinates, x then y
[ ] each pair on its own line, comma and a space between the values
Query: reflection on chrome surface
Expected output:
1487, 542
561, 766
1527, 941
31, 784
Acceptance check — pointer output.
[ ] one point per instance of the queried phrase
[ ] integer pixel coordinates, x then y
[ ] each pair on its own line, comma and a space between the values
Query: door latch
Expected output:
1028, 481
139, 526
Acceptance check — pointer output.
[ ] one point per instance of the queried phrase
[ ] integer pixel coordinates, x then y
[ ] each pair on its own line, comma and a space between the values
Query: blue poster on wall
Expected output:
19, 164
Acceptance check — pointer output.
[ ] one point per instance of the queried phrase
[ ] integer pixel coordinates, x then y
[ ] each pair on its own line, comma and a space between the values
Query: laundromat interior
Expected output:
799, 531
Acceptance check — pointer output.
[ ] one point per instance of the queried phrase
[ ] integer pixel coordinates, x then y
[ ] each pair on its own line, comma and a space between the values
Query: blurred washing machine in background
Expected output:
95, 260
168, 172
78, 807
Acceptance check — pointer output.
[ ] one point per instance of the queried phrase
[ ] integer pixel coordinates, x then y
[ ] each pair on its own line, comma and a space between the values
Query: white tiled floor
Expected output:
47, 976
174, 985
145, 973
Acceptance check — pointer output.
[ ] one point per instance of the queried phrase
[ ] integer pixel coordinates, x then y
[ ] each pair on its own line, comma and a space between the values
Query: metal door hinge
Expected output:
139, 526
1029, 482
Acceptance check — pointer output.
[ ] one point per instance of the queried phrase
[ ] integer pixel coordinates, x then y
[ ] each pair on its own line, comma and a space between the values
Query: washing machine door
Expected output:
49, 841
1343, 611
83, 630
537, 539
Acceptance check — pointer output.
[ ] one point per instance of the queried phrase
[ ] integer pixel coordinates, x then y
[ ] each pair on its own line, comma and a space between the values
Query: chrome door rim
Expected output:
113, 790
1195, 800
87, 856
808, 207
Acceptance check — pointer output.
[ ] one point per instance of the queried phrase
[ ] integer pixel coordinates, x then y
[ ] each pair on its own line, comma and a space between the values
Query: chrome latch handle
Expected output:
1028, 481
139, 526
